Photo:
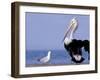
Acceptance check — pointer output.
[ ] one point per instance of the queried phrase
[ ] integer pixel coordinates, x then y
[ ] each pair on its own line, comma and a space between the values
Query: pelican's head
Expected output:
74, 22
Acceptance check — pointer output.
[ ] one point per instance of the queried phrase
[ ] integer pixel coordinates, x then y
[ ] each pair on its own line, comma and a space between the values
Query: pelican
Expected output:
68, 38
46, 58
71, 29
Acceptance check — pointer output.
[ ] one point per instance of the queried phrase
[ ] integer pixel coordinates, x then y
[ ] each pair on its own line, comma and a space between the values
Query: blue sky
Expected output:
46, 31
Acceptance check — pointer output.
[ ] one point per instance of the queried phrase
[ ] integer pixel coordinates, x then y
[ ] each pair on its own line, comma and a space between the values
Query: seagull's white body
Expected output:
46, 58
69, 34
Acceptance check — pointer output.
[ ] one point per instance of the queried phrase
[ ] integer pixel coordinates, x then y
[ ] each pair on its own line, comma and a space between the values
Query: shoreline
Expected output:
46, 65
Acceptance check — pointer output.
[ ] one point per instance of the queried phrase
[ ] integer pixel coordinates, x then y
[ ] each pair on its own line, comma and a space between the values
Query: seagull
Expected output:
46, 58
69, 34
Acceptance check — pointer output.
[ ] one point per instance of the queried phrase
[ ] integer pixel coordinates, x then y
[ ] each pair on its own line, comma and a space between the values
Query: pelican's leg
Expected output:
88, 56
72, 62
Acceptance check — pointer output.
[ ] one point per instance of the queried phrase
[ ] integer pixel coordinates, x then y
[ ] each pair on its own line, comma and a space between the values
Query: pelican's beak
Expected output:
72, 26
67, 33
69, 30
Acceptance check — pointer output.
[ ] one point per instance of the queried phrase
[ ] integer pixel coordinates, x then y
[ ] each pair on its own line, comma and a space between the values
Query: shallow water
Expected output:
58, 57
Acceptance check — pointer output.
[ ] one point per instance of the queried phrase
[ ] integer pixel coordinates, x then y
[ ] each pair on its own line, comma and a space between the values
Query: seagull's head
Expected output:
49, 52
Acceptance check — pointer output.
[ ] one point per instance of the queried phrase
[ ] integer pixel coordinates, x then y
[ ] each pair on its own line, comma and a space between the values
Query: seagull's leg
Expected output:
47, 63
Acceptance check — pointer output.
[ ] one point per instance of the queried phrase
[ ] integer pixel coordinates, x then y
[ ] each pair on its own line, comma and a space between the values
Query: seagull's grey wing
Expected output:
44, 59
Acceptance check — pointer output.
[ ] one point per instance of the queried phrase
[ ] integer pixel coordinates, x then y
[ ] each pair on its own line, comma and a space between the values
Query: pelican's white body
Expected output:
67, 40
77, 57
46, 58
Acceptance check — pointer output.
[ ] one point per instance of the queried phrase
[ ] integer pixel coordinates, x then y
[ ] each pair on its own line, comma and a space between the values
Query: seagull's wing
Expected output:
44, 59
